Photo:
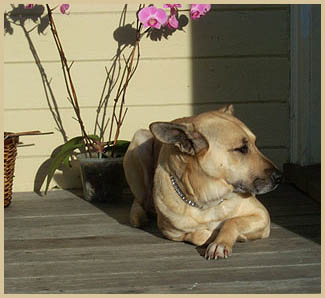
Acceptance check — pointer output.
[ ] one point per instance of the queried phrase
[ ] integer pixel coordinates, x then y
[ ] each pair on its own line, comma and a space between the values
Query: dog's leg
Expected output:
198, 237
238, 229
138, 168
138, 216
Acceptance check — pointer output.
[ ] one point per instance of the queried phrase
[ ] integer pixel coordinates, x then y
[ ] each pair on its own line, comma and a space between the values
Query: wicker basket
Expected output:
10, 153
11, 140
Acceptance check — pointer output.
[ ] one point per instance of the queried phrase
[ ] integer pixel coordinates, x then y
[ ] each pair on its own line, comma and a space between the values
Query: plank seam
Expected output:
259, 56
95, 275
236, 102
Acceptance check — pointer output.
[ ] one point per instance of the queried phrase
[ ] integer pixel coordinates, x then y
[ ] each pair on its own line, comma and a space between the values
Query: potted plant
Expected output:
101, 158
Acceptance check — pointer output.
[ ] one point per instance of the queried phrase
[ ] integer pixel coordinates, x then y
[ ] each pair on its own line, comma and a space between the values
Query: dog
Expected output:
200, 175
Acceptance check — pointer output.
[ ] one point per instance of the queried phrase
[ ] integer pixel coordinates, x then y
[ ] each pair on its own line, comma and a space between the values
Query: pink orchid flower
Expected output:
172, 20
64, 8
152, 17
29, 6
198, 10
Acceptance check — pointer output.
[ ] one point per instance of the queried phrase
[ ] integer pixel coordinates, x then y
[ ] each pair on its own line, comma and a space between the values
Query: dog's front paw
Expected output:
217, 251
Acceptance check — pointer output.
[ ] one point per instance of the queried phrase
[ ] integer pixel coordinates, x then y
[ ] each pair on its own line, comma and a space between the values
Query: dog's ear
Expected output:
229, 109
183, 136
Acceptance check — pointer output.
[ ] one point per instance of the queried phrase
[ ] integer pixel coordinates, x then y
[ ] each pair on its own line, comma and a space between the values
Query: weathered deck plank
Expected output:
126, 281
63, 244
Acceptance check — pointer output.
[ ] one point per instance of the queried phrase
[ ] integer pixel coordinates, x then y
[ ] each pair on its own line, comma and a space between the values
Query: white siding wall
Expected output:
236, 54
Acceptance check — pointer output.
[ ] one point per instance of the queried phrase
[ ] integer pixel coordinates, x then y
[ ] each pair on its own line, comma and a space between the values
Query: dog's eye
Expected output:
243, 149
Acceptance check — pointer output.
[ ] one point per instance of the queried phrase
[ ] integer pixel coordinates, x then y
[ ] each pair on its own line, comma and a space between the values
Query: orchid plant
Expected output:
149, 20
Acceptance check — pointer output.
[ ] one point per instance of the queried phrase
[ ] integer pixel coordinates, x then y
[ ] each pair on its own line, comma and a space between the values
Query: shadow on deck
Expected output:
63, 244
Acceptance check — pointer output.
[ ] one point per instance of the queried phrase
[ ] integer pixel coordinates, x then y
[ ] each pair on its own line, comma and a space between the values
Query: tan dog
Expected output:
202, 173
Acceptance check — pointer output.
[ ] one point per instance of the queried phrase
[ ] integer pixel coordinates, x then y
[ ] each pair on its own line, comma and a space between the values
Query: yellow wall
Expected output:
236, 54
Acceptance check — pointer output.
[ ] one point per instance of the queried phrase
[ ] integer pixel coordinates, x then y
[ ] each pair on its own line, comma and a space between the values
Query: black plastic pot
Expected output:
103, 179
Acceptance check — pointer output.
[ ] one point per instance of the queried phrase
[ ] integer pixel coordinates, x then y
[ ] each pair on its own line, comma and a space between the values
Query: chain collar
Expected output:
181, 194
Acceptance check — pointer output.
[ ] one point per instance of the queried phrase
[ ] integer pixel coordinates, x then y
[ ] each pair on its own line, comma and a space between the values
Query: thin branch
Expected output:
70, 65
116, 120
124, 115
68, 80
70, 100
106, 124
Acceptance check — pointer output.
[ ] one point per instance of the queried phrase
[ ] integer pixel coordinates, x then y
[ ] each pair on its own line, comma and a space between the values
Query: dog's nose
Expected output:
276, 176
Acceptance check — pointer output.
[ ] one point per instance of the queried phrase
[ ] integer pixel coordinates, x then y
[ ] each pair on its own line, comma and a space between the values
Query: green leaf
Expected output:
122, 143
63, 157
66, 161
120, 148
94, 137
72, 142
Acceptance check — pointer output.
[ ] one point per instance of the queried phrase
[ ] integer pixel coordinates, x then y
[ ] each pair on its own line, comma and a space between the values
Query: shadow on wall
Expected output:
18, 17
231, 50
241, 57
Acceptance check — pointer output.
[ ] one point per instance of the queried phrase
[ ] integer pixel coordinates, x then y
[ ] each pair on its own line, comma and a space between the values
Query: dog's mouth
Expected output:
264, 185
239, 187
260, 186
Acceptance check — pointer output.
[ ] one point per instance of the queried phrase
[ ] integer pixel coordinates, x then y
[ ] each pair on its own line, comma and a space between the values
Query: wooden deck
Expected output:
63, 244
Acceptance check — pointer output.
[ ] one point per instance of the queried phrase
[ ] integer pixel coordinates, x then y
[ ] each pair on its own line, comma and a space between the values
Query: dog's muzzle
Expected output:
264, 185
269, 182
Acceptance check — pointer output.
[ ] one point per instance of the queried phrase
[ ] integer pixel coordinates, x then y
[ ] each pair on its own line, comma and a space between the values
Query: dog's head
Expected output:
223, 147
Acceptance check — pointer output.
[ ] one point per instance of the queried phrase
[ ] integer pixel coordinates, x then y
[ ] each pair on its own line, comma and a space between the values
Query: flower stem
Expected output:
68, 82
128, 73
